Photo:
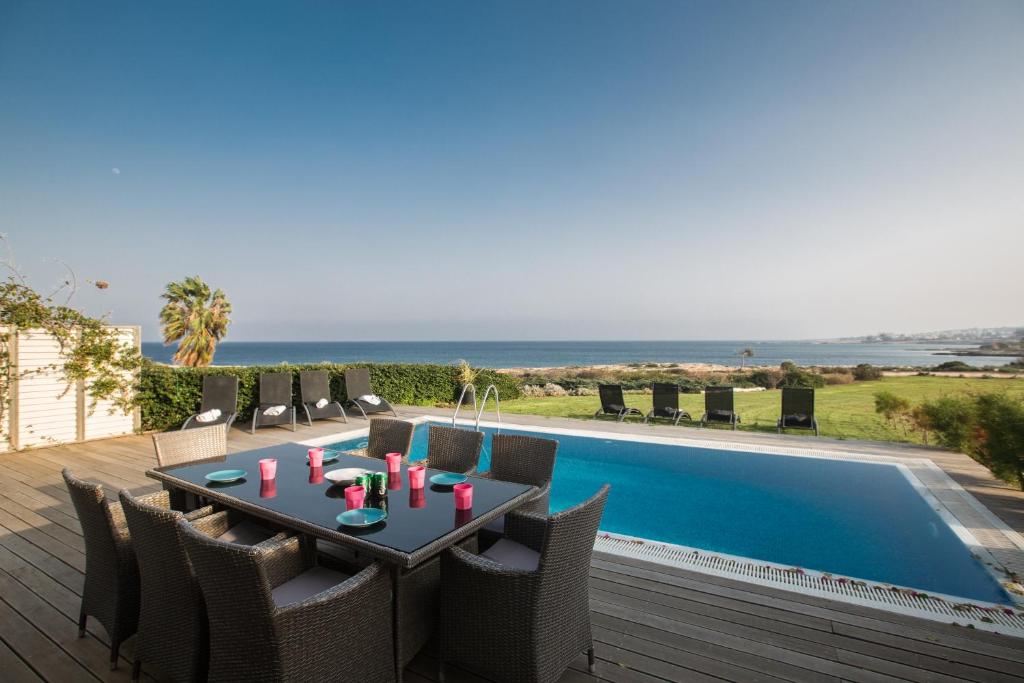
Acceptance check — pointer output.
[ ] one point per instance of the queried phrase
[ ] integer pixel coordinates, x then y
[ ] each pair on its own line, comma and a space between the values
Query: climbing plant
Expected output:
91, 351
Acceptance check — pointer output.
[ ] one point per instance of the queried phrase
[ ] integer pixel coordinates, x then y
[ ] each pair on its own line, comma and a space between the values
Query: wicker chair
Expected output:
454, 450
111, 592
173, 635
524, 460
199, 443
520, 611
388, 435
274, 616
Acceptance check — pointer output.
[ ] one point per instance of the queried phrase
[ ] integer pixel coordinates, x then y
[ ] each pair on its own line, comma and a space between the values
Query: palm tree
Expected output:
196, 318
744, 355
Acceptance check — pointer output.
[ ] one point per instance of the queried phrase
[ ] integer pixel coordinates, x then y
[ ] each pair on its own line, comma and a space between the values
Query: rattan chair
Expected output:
524, 460
315, 386
521, 611
200, 443
452, 449
798, 409
275, 390
357, 385
388, 435
666, 404
275, 616
172, 635
613, 403
111, 591
718, 407
219, 392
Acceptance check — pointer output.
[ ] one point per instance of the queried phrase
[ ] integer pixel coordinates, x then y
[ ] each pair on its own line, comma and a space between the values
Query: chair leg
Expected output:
440, 671
82, 617
590, 660
115, 647
136, 669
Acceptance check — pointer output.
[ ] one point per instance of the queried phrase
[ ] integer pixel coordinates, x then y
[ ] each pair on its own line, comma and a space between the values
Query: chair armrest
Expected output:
159, 499
214, 524
538, 503
361, 602
282, 559
528, 528
199, 513
463, 574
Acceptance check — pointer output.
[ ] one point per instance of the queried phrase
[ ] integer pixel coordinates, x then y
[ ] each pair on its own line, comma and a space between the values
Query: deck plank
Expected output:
651, 623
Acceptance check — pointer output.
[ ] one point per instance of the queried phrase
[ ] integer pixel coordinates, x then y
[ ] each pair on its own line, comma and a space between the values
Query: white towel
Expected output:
372, 399
209, 415
321, 403
274, 410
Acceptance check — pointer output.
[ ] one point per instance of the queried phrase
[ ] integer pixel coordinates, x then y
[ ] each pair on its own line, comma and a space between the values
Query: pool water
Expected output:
862, 520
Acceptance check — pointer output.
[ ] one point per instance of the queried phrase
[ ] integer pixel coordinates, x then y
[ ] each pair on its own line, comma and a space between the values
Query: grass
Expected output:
844, 411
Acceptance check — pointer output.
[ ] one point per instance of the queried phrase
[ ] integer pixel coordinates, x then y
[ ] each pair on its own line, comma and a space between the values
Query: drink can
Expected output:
366, 481
380, 483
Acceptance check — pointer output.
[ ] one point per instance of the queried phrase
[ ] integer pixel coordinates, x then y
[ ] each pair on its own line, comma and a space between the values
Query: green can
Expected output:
366, 481
380, 483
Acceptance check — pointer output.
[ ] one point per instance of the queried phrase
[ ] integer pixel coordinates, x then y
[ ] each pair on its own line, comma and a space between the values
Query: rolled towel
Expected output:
274, 410
321, 403
209, 415
372, 399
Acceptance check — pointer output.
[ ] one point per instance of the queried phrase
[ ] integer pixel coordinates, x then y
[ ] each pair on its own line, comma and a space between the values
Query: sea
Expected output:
540, 354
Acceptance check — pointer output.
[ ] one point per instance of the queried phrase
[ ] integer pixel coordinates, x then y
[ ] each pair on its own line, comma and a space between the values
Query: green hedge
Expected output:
168, 395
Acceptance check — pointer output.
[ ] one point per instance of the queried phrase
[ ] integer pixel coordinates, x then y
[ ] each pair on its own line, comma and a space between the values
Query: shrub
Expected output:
952, 366
801, 378
837, 378
1000, 420
168, 395
891, 406
952, 418
866, 372
765, 377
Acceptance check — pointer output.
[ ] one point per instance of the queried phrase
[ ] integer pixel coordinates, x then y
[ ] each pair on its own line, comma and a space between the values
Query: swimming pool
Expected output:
852, 518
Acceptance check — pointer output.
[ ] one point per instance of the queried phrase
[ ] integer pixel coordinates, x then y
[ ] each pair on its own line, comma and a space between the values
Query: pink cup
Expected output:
354, 497
417, 475
316, 457
268, 468
394, 462
463, 496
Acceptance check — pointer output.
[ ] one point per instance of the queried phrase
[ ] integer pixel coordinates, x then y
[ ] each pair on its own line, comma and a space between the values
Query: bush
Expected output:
837, 378
952, 420
765, 377
168, 395
891, 406
952, 366
866, 372
801, 378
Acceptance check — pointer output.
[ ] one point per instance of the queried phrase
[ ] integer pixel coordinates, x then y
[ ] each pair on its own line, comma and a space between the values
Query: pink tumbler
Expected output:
463, 496
417, 475
354, 497
268, 468
316, 457
394, 462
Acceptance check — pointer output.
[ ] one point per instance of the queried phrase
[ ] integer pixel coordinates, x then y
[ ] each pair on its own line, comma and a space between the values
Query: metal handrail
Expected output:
458, 405
483, 404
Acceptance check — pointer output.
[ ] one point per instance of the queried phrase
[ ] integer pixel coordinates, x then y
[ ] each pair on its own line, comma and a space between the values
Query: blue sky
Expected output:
485, 170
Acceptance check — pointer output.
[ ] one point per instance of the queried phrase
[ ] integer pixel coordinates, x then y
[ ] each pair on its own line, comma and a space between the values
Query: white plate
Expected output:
345, 474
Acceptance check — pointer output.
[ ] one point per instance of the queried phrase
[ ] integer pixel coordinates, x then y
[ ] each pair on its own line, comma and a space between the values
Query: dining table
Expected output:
419, 525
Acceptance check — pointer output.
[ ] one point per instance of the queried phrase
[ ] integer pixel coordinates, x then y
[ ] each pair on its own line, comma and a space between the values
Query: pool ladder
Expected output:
483, 404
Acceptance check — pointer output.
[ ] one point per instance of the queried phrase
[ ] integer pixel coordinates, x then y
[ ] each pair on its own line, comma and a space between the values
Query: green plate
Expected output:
361, 517
448, 479
224, 476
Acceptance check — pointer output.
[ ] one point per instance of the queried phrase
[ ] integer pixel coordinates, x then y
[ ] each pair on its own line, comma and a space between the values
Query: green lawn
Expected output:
845, 411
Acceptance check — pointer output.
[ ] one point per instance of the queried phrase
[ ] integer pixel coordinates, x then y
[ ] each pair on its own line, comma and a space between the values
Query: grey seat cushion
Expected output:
512, 554
246, 533
307, 584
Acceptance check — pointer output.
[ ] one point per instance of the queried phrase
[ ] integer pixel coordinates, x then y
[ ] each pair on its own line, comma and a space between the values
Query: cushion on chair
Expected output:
246, 533
512, 554
306, 585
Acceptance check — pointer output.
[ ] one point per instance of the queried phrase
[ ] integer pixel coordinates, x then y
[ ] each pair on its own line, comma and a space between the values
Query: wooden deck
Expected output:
651, 622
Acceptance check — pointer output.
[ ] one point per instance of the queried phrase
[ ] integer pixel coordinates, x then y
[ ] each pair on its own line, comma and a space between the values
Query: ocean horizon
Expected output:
537, 354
